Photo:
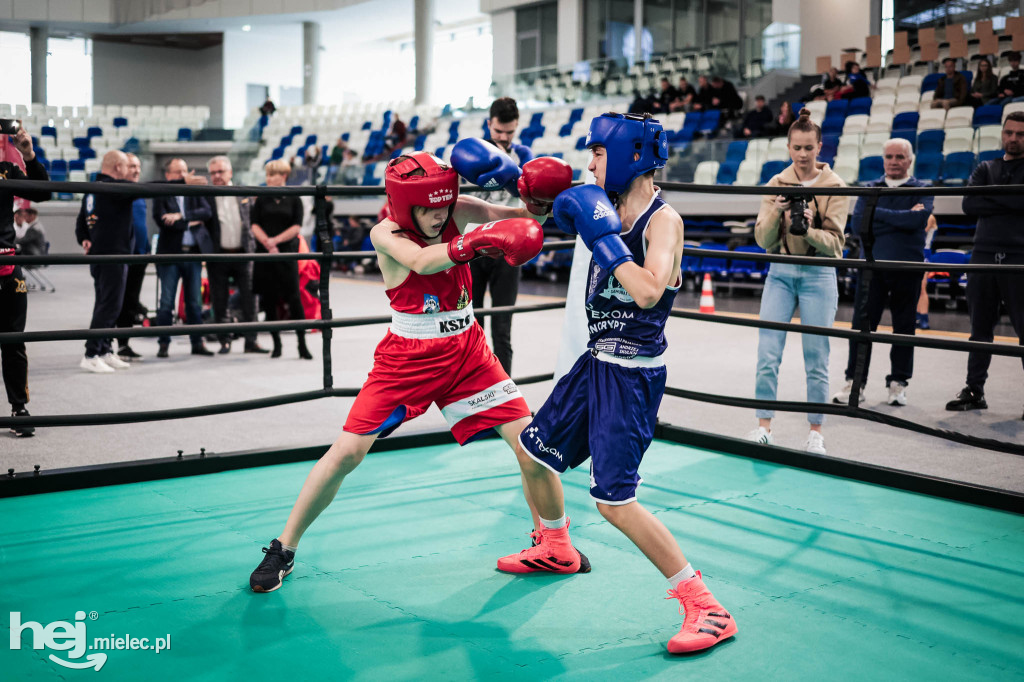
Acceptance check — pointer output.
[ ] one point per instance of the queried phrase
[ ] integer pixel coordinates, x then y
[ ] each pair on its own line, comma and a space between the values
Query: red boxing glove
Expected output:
517, 239
543, 179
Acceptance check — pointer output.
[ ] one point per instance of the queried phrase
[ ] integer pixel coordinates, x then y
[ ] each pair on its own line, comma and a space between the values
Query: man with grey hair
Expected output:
898, 232
230, 228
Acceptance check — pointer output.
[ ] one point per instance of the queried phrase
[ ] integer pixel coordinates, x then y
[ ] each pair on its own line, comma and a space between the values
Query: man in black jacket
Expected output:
17, 162
230, 229
182, 222
104, 227
998, 239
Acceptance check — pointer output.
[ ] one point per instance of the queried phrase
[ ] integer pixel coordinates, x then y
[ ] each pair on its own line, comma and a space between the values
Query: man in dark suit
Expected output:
182, 223
230, 229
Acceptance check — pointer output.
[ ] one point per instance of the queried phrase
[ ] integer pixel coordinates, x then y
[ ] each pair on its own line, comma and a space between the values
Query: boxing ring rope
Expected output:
868, 265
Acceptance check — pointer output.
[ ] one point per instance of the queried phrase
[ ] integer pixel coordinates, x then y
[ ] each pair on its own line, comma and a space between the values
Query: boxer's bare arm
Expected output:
398, 255
661, 263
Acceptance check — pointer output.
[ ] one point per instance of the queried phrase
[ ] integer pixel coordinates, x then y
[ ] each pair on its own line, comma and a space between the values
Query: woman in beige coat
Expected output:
818, 232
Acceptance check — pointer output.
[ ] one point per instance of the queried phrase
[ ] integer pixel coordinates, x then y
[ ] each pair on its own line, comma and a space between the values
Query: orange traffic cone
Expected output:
707, 298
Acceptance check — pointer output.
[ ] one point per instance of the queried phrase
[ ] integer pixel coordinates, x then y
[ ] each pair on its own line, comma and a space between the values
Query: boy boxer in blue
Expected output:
606, 407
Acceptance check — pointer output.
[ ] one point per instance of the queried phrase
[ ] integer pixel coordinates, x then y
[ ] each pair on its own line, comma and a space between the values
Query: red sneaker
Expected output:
552, 552
705, 621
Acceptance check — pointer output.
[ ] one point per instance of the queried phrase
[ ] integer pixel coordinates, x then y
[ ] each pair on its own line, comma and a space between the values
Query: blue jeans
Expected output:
191, 275
814, 289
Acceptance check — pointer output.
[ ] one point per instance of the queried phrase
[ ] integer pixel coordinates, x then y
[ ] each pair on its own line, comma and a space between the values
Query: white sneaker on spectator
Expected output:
95, 365
111, 360
843, 397
815, 443
761, 435
897, 393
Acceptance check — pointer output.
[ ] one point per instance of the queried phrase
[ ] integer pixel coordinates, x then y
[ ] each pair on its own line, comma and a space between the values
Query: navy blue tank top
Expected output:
617, 325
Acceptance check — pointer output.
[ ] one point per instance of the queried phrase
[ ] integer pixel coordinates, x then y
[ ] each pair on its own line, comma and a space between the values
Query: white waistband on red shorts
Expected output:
636, 361
431, 325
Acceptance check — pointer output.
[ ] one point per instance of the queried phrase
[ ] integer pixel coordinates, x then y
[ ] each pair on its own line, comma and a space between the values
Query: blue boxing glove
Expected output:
586, 210
524, 153
484, 164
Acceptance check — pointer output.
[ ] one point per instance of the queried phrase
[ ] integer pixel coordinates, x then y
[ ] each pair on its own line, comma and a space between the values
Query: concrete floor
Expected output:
701, 357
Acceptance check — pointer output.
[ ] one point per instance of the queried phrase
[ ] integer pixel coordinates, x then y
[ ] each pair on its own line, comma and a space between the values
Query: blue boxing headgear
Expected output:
622, 136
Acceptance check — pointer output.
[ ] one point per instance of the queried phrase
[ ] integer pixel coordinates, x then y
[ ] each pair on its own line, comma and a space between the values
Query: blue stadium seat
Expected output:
368, 179
908, 134
81, 142
345, 136
530, 134
84, 153
929, 82
414, 123
709, 122
184, 134
453, 132
957, 167
94, 131
120, 122
748, 269
536, 119
717, 267
989, 155
439, 152
837, 107
928, 166
796, 107
906, 120
737, 151
296, 130
930, 141
277, 153
576, 174
581, 143
48, 130
77, 164
833, 125
988, 115
420, 141
310, 139
871, 168
395, 153
771, 169
727, 172
367, 125
59, 166
969, 76
860, 105
829, 147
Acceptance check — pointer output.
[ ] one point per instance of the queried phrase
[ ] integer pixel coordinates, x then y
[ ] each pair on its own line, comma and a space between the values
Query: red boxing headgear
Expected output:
438, 186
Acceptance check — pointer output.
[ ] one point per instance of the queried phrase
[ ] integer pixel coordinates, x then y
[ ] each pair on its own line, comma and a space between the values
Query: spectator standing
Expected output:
985, 85
756, 121
495, 273
231, 231
951, 89
999, 240
136, 271
812, 288
899, 234
1011, 85
275, 223
104, 227
17, 162
182, 222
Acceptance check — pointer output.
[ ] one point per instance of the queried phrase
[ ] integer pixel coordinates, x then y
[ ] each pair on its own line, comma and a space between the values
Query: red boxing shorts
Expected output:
439, 358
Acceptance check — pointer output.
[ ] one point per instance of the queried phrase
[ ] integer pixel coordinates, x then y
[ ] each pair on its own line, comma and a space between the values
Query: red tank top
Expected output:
441, 292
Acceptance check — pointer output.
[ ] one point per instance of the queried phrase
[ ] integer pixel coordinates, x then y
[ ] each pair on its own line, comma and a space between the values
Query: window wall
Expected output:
537, 36
676, 25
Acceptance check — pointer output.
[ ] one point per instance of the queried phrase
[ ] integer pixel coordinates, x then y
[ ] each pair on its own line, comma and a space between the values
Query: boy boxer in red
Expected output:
434, 352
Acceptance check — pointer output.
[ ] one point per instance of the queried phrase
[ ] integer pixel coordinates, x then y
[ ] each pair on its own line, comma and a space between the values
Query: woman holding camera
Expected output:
804, 226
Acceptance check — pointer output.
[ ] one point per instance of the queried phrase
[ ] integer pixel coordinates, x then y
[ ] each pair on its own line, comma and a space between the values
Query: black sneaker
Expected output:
967, 400
22, 431
275, 566
584, 561
162, 353
128, 355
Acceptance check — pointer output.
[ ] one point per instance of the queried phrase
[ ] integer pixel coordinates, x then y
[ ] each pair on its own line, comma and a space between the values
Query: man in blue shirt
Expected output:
136, 271
899, 233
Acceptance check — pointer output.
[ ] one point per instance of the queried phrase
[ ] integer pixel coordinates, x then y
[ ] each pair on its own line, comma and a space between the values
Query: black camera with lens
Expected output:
798, 221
